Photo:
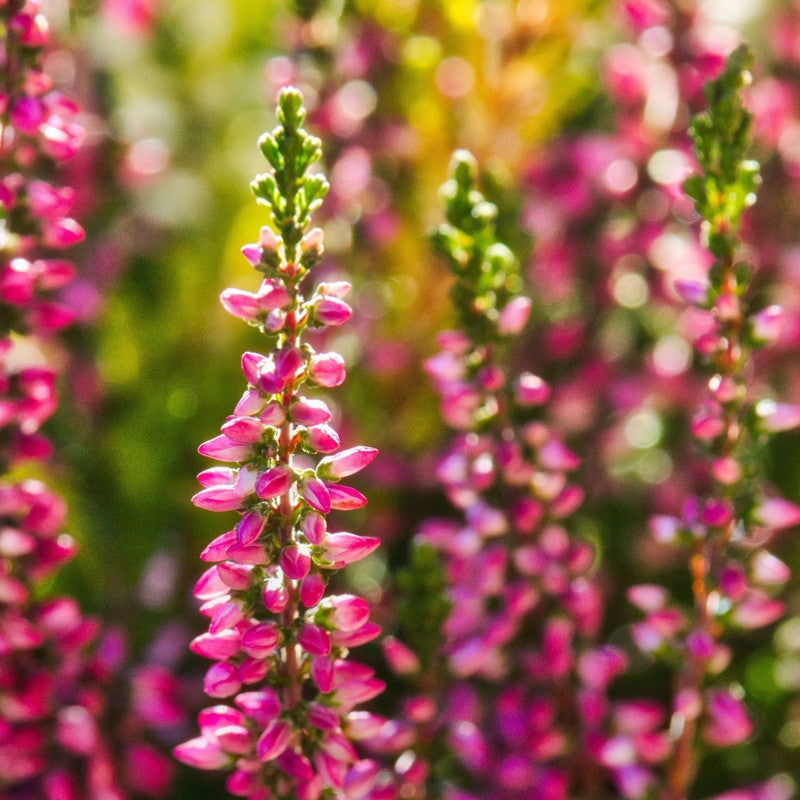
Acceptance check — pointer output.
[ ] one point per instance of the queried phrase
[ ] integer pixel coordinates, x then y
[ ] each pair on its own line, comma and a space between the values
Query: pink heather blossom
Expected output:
277, 640
346, 463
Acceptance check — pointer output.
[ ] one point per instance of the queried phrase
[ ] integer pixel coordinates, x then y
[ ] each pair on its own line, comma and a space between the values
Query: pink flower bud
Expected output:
235, 576
296, 765
221, 680
260, 640
332, 311
338, 289
226, 615
273, 414
716, 513
361, 778
401, 659
723, 389
202, 753
295, 561
225, 449
727, 307
64, 232
274, 482
241, 304
344, 612
513, 318
777, 513
647, 597
327, 370
76, 730
349, 639
268, 239
310, 411
345, 498
345, 548
251, 402
27, 114
312, 589
272, 295
323, 439
707, 424
54, 273
554, 455
531, 390
354, 693
249, 527
314, 640
216, 476
769, 570
209, 585
322, 673
218, 498
727, 723
633, 781
776, 417
313, 240
274, 740
263, 706
235, 739
219, 646
252, 253
700, 645
733, 581
363, 725
244, 430
251, 366
766, 325
275, 595
316, 494
314, 527
287, 362
346, 463
757, 610
693, 292
47, 201
726, 470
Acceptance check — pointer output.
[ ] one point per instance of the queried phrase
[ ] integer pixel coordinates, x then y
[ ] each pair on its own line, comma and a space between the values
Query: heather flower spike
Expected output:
734, 579
58, 670
278, 643
522, 604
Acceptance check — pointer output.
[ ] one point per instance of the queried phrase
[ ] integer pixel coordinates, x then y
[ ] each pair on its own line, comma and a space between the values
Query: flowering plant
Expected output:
279, 642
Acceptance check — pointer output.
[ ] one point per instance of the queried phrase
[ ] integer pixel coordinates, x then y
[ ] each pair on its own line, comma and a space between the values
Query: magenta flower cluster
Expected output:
279, 643
524, 601
59, 672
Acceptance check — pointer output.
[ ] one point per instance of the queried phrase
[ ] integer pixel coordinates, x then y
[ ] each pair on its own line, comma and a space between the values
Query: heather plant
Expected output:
516, 695
62, 678
280, 643
732, 514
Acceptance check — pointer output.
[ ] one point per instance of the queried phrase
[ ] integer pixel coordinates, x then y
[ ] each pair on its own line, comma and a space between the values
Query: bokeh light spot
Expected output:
454, 77
643, 429
630, 290
620, 176
671, 355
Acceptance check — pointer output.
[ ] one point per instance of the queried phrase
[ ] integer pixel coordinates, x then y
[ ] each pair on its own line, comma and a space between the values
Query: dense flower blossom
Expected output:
278, 642
725, 525
58, 670
518, 671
